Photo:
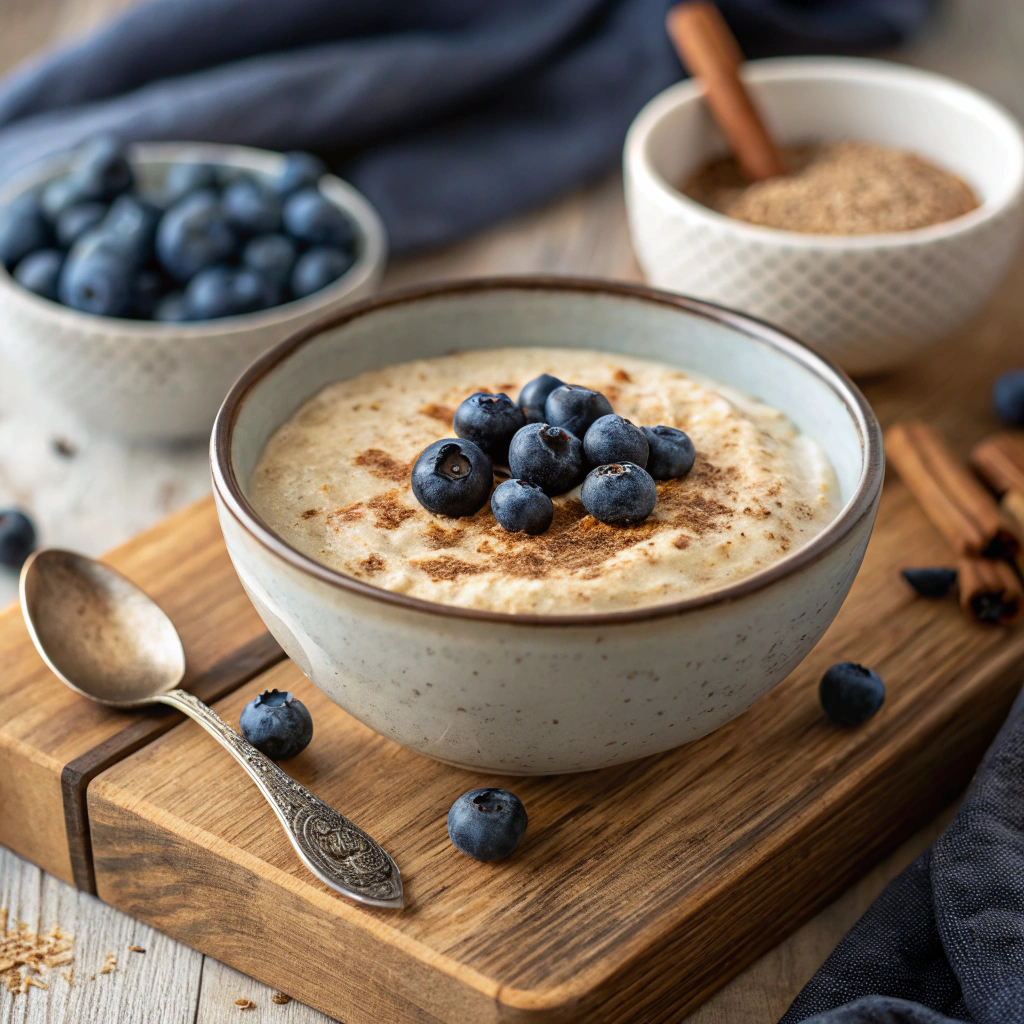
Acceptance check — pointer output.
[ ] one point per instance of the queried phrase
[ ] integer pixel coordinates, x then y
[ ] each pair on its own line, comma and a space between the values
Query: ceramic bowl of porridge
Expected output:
869, 296
585, 645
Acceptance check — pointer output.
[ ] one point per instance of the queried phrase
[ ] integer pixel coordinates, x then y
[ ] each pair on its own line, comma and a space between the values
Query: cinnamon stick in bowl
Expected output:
956, 503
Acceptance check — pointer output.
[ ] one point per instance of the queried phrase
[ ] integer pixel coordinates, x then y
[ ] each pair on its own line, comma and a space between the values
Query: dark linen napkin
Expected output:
945, 941
447, 114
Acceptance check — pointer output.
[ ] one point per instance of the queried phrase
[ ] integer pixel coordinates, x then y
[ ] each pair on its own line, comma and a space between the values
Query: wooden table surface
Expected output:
103, 492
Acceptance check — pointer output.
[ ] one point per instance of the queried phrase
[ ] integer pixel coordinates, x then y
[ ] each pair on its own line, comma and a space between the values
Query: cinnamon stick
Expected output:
999, 461
710, 52
990, 591
956, 503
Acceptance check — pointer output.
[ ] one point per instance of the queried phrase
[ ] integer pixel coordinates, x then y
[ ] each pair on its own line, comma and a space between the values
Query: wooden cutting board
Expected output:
637, 891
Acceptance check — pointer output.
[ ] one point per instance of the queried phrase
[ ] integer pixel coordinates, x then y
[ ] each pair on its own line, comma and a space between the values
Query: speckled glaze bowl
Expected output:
868, 302
150, 381
529, 694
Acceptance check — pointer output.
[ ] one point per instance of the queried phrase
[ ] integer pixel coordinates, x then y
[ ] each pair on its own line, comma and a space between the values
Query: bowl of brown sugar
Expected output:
897, 217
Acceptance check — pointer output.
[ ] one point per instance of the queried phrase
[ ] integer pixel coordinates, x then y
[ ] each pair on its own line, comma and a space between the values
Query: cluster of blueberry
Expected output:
213, 242
557, 436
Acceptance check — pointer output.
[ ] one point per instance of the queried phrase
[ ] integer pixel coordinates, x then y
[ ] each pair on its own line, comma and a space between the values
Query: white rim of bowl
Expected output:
370, 258
852, 69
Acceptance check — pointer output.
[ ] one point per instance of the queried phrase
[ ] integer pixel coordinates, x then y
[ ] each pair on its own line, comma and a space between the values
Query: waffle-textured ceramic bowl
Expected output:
155, 381
869, 302
534, 694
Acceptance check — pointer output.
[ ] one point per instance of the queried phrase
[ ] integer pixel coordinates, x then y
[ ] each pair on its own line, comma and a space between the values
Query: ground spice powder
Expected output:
845, 188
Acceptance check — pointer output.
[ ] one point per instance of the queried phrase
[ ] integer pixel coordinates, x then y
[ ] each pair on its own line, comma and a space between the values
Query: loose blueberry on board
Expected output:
851, 693
273, 256
277, 724
23, 229
931, 582
535, 394
521, 507
17, 538
171, 309
452, 477
311, 217
671, 453
490, 421
39, 272
76, 220
487, 824
101, 168
317, 268
193, 235
574, 408
611, 438
301, 170
251, 207
619, 494
547, 456
1008, 398
188, 177
96, 278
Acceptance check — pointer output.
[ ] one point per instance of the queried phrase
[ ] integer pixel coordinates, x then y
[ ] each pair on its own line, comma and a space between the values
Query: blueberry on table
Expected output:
301, 170
39, 272
311, 217
192, 235
547, 456
226, 291
17, 538
487, 824
535, 394
182, 178
851, 693
619, 494
931, 582
73, 222
318, 268
273, 256
1008, 398
23, 229
452, 477
251, 207
521, 507
101, 168
277, 724
611, 438
574, 408
96, 278
671, 453
490, 421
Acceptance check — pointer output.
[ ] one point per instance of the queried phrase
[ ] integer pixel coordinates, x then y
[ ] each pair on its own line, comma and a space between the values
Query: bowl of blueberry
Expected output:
137, 282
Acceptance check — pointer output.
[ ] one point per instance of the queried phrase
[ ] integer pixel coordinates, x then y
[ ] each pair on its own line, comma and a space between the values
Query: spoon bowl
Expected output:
103, 636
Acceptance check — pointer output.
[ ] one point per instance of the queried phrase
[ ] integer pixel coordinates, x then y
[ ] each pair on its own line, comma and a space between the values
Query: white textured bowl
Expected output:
534, 694
153, 381
869, 302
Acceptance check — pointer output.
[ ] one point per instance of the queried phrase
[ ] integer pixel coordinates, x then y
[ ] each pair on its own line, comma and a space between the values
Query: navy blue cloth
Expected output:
448, 114
945, 941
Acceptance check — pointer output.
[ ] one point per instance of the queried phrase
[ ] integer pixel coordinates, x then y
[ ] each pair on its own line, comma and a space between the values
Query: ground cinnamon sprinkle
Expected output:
389, 511
845, 188
442, 413
25, 955
436, 537
373, 563
383, 465
448, 567
348, 514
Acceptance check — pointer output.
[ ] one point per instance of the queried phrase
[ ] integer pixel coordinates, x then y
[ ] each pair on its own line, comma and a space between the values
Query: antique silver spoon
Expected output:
110, 642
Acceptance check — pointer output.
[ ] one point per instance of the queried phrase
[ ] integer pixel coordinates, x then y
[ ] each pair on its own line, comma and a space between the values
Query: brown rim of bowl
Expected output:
226, 484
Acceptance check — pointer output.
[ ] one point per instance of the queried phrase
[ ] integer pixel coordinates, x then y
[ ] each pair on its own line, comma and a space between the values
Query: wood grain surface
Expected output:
638, 890
52, 741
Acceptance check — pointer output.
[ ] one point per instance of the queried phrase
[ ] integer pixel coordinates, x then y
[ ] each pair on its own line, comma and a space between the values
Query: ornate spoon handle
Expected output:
334, 849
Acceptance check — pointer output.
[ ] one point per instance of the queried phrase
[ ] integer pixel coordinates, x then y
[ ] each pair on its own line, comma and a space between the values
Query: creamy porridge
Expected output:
334, 483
